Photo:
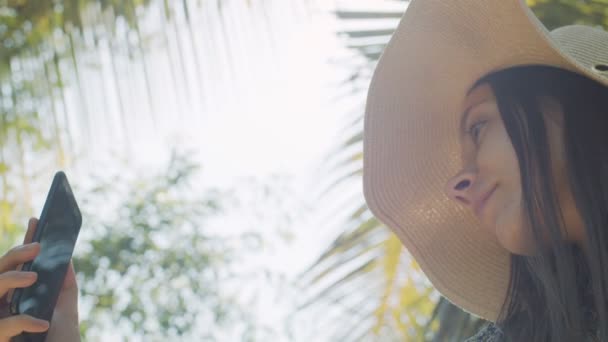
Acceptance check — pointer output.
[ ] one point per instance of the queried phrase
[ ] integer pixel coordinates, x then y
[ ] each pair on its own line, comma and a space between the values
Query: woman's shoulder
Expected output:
489, 333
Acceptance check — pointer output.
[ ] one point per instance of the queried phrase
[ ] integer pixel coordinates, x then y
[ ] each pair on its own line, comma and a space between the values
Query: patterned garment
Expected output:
489, 333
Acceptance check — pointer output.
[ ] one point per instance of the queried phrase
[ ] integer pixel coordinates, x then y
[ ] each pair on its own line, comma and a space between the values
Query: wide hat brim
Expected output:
411, 147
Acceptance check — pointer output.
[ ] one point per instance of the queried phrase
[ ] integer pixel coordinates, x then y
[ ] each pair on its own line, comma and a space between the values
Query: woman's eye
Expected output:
475, 128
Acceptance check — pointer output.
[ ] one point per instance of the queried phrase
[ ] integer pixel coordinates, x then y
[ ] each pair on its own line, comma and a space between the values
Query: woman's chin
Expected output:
510, 235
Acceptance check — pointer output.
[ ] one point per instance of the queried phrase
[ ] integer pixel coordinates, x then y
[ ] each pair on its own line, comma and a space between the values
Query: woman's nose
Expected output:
457, 187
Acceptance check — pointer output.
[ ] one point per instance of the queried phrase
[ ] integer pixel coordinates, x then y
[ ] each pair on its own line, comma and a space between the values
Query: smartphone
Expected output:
56, 231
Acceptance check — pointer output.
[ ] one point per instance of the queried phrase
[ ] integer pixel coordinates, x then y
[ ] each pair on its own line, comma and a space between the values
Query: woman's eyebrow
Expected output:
465, 115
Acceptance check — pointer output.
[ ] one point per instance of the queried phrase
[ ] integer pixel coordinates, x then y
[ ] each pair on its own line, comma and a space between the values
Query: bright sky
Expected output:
272, 115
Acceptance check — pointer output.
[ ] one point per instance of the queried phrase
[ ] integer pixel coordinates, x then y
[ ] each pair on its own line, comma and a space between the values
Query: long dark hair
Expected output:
558, 294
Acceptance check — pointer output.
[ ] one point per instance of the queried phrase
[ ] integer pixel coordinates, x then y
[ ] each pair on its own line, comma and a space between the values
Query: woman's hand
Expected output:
64, 325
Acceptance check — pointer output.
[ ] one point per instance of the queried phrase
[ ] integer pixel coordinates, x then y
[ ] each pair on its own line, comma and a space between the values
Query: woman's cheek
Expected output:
511, 232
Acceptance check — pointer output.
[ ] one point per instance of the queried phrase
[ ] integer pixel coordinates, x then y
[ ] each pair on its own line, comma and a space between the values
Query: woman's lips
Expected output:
483, 201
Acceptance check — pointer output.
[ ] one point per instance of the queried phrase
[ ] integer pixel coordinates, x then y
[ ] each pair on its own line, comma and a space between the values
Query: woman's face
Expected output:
490, 166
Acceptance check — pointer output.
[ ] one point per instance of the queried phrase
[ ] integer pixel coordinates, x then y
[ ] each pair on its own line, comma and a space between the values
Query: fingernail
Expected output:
27, 274
30, 245
42, 323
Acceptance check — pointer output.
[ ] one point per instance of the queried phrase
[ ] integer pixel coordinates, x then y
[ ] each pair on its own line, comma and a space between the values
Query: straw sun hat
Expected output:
411, 146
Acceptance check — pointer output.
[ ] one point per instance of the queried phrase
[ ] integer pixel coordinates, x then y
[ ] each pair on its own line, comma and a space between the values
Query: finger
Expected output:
31, 228
18, 255
29, 235
69, 281
12, 279
15, 325
67, 302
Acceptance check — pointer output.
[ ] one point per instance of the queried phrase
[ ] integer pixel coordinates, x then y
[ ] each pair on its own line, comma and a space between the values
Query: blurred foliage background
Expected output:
149, 267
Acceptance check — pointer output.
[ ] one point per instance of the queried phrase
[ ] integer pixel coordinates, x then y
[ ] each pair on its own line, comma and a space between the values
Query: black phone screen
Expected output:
57, 231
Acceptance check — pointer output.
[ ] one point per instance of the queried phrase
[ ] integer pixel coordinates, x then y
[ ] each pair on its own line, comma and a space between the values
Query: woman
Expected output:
64, 327
542, 125
486, 152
